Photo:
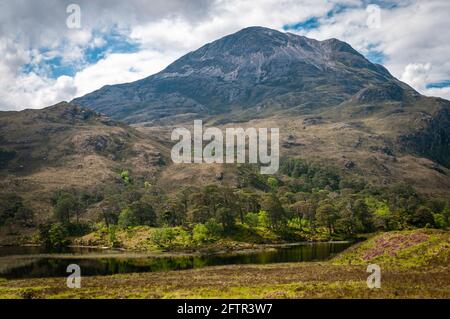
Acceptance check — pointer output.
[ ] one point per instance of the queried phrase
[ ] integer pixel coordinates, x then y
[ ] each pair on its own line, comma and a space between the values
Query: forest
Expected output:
305, 202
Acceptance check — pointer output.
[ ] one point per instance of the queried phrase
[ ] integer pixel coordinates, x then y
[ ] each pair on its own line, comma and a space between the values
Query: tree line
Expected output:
304, 196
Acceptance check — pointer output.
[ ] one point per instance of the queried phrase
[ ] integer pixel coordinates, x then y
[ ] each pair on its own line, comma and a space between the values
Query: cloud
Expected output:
409, 38
417, 74
43, 61
120, 68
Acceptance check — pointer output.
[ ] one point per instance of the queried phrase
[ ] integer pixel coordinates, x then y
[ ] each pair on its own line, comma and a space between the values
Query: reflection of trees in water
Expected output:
8, 264
13, 267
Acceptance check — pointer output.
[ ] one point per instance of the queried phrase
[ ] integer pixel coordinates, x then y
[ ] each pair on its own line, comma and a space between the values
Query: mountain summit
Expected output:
259, 73
254, 71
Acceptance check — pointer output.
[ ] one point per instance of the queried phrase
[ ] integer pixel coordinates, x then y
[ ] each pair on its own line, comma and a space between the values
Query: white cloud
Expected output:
417, 74
120, 68
440, 92
413, 37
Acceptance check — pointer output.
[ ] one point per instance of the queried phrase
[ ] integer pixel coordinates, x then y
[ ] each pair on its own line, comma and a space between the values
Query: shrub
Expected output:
127, 218
163, 237
53, 236
183, 238
263, 219
273, 183
297, 222
125, 175
215, 229
200, 233
114, 242
208, 232
79, 229
251, 219
440, 221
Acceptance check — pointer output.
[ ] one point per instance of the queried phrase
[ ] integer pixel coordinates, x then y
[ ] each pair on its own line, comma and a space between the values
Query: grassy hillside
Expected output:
415, 248
68, 146
376, 145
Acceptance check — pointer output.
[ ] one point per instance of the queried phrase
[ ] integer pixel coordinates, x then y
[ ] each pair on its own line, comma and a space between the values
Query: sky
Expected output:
51, 50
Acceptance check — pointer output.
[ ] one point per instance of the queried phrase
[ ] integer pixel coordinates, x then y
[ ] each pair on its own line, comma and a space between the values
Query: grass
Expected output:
343, 277
406, 249
297, 280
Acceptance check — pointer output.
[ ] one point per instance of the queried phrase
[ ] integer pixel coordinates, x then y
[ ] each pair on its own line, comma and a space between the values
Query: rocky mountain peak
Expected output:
253, 68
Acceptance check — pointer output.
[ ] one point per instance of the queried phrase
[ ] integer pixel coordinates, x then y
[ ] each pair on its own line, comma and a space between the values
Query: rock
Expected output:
349, 165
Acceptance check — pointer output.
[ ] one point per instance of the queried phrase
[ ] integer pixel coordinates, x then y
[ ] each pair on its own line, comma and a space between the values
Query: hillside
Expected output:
409, 249
65, 146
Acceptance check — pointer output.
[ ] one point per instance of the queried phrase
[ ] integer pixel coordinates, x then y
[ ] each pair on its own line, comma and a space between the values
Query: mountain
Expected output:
252, 73
259, 73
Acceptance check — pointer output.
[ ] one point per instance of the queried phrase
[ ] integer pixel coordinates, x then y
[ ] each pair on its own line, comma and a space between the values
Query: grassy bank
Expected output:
176, 239
343, 277
405, 249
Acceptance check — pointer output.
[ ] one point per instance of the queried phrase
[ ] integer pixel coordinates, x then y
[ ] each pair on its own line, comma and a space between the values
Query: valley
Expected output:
363, 156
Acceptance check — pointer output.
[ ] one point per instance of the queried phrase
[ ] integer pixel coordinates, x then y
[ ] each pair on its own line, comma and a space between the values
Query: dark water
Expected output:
28, 262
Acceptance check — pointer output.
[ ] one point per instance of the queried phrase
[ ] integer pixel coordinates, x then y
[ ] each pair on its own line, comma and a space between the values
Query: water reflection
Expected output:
36, 266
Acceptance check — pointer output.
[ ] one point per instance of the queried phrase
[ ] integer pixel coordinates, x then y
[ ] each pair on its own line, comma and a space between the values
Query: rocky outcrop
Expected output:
432, 141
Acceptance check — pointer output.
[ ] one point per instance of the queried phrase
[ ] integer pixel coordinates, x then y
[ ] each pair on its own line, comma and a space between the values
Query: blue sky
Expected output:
43, 61
106, 43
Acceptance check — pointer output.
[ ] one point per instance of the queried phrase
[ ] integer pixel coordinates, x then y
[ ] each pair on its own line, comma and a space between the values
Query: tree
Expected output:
199, 214
248, 201
66, 206
174, 211
277, 216
215, 229
326, 216
111, 208
347, 222
263, 219
169, 217
127, 218
25, 215
10, 204
143, 212
362, 213
304, 209
226, 217
423, 217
